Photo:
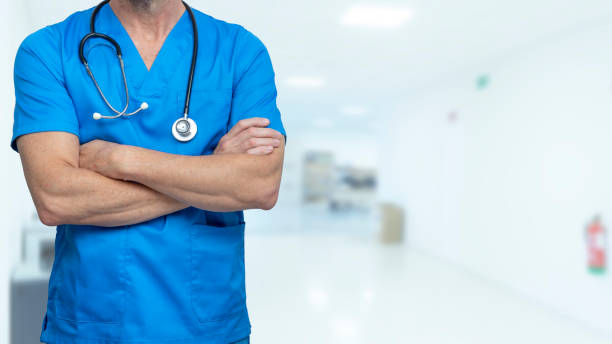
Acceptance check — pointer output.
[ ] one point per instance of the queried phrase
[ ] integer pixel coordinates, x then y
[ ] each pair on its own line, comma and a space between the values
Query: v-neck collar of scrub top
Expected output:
175, 50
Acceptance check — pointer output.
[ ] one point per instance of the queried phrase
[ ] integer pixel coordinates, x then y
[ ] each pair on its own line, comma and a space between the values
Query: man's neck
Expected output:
152, 20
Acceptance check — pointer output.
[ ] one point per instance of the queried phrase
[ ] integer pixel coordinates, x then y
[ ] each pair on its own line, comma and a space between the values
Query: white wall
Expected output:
14, 200
507, 190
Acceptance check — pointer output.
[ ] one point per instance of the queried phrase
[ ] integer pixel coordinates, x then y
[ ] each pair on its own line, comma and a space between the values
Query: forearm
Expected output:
66, 193
214, 182
80, 196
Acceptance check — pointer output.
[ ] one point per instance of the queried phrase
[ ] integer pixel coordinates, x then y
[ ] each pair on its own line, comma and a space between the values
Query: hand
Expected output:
101, 156
250, 136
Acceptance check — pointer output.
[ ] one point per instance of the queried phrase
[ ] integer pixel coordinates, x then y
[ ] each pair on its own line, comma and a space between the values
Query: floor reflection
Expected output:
336, 288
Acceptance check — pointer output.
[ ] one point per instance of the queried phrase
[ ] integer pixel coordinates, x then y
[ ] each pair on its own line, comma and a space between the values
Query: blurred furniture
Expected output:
355, 189
29, 283
28, 304
391, 224
318, 176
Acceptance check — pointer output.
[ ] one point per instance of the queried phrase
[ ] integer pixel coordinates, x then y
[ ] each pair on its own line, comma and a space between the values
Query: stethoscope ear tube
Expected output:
119, 57
97, 35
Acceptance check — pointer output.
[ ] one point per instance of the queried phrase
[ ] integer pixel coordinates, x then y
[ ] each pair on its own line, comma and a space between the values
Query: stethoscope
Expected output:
183, 129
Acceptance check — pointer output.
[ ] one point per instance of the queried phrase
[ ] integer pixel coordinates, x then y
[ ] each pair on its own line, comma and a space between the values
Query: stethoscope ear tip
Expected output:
97, 116
144, 105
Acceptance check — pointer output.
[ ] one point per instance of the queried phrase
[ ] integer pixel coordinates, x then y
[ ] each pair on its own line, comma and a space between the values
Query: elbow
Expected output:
268, 200
49, 213
48, 218
265, 197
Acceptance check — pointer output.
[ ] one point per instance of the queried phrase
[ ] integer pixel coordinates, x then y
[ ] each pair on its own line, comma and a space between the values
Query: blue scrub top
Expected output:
178, 278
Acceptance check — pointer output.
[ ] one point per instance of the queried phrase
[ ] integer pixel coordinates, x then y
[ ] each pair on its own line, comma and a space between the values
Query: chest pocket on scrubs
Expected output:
210, 109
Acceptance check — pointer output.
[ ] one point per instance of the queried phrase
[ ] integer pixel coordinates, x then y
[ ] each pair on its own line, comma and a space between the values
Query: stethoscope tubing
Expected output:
94, 34
194, 57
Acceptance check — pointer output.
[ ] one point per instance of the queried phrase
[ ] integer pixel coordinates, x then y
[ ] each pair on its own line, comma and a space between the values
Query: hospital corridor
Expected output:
446, 176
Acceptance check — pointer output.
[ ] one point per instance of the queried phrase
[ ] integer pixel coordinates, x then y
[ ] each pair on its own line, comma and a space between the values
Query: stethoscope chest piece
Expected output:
184, 129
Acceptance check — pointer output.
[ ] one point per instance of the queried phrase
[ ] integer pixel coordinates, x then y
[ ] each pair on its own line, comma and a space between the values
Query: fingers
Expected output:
254, 133
248, 134
263, 150
248, 123
259, 142
259, 132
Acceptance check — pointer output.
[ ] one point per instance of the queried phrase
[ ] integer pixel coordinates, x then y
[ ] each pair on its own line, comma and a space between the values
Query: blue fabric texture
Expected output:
178, 278
243, 341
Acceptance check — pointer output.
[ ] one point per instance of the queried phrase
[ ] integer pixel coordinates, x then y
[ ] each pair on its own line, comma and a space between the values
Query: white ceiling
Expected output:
361, 66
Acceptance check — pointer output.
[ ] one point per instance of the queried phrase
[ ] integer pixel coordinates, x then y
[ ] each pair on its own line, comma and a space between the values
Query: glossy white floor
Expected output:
332, 288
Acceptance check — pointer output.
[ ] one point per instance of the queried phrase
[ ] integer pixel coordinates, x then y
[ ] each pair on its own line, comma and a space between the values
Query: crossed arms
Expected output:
107, 184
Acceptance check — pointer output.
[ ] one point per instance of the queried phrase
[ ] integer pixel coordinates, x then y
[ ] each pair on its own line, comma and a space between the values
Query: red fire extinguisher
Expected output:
596, 246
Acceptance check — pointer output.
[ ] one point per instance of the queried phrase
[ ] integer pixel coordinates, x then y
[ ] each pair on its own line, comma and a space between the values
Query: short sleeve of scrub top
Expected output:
254, 91
42, 100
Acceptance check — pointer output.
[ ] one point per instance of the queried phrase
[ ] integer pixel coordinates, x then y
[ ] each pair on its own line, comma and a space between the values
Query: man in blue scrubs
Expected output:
150, 230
